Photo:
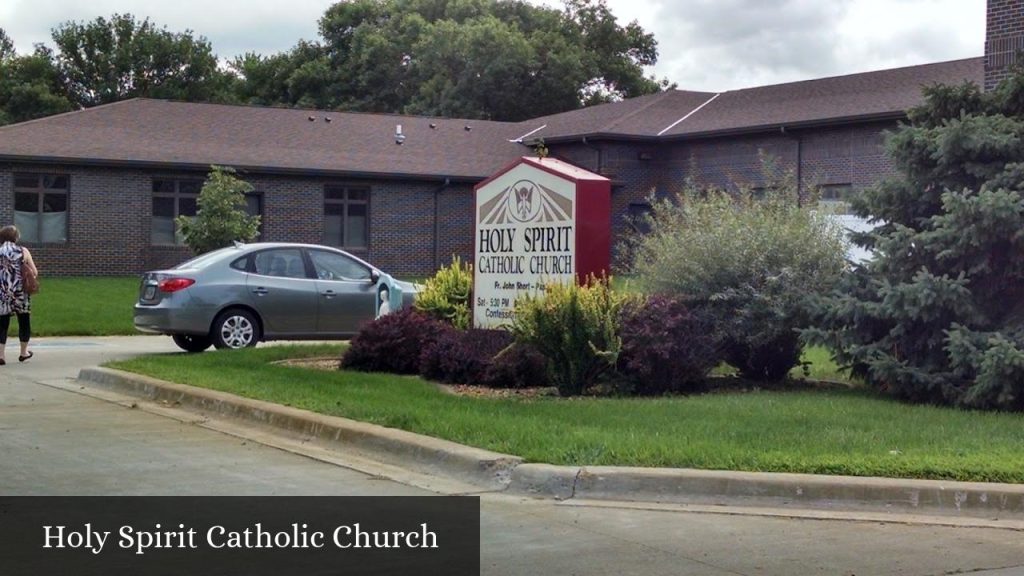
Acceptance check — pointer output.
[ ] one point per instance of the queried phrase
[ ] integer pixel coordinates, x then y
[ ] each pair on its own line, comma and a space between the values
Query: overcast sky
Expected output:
708, 45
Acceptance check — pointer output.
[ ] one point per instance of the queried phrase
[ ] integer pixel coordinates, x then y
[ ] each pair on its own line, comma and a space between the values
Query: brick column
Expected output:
1004, 39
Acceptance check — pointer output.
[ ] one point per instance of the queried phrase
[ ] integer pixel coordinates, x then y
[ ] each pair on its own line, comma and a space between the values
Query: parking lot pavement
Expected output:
53, 441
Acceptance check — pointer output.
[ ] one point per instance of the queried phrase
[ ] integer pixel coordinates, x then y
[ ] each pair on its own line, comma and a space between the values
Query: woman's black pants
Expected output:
24, 327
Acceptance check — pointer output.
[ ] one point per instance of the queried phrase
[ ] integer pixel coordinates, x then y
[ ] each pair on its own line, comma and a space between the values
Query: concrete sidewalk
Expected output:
464, 469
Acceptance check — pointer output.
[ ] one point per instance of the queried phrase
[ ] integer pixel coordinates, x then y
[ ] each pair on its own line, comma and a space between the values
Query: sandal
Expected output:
25, 357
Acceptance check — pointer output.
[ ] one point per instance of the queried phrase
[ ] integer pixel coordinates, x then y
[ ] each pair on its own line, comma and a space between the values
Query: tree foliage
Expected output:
751, 263
109, 60
6, 46
497, 59
221, 217
938, 315
31, 86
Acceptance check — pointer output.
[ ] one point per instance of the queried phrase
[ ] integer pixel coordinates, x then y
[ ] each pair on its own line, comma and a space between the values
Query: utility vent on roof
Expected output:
399, 137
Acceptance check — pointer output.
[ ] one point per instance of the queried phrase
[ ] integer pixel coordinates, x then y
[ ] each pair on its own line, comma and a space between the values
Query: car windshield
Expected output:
203, 260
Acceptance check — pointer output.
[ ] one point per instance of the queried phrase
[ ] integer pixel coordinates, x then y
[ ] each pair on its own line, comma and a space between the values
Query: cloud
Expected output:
233, 27
728, 44
704, 44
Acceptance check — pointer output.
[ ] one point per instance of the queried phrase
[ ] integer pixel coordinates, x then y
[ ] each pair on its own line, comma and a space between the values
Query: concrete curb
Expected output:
487, 470
500, 472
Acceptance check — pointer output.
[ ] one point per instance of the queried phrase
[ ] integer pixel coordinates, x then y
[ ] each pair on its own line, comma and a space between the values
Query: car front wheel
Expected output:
190, 343
235, 329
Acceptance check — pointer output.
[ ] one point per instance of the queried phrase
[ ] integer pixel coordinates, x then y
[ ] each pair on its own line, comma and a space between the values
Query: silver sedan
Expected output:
237, 296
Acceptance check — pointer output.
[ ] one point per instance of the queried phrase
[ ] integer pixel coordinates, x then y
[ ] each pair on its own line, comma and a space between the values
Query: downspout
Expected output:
799, 164
437, 223
600, 159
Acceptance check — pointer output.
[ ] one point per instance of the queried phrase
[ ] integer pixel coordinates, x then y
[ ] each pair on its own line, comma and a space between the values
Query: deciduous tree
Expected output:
109, 60
221, 218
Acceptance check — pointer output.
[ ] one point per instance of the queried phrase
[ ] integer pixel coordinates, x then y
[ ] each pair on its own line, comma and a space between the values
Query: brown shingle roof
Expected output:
157, 131
641, 116
884, 93
143, 131
881, 93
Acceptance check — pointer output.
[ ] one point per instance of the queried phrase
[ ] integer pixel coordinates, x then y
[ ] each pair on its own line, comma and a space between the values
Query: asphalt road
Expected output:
56, 442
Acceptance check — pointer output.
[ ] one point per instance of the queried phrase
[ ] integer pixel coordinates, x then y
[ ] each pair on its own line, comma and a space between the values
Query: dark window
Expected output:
172, 198
346, 217
835, 198
639, 217
41, 207
254, 207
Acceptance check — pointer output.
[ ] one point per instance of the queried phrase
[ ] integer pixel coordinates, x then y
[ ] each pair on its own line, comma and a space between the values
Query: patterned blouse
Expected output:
13, 298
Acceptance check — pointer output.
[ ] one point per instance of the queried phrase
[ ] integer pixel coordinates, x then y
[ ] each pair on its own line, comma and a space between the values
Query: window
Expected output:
639, 217
334, 266
172, 198
835, 198
254, 207
280, 262
41, 207
346, 213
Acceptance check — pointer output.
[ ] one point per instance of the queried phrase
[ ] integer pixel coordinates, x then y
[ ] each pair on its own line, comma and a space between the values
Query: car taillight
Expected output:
175, 284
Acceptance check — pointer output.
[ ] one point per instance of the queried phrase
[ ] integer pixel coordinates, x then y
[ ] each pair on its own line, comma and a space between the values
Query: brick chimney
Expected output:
1004, 39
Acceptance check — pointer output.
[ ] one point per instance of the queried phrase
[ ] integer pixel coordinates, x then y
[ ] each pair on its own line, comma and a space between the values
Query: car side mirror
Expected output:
374, 276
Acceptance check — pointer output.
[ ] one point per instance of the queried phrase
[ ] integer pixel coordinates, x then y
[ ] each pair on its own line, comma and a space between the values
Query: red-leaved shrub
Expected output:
518, 366
483, 357
393, 343
462, 356
666, 346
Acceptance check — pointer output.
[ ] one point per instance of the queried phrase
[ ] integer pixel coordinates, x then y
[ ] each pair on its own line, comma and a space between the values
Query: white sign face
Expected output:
525, 238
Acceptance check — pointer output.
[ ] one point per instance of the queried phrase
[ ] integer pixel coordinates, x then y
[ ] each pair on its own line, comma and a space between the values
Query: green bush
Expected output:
221, 218
752, 262
575, 328
446, 295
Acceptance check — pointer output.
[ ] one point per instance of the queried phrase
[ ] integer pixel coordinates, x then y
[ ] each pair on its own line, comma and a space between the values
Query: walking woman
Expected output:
14, 298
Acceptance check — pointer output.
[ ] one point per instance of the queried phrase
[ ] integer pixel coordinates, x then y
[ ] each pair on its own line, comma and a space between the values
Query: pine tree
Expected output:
938, 315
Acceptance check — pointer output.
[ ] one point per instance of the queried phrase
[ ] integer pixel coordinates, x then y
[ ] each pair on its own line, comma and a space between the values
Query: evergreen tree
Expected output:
938, 315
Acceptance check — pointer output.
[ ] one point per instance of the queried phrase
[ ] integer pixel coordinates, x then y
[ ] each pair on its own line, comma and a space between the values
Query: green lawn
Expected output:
84, 307
833, 432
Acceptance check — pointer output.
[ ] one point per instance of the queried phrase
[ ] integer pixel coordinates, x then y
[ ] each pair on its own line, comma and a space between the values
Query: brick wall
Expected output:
109, 220
853, 155
1004, 38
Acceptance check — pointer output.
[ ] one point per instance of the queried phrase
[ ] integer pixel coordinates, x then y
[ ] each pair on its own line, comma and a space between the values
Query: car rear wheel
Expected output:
190, 343
235, 329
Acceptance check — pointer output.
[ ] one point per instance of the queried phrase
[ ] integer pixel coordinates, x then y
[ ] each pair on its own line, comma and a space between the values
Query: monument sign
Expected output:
540, 220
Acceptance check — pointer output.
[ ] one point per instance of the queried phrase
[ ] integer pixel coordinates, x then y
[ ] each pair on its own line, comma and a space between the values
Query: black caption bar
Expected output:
239, 536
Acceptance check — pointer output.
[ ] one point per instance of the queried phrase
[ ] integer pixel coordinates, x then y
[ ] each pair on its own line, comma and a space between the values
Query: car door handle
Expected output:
259, 291
329, 294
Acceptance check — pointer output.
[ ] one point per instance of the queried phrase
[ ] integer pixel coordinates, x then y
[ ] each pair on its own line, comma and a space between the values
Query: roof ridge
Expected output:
852, 74
323, 111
